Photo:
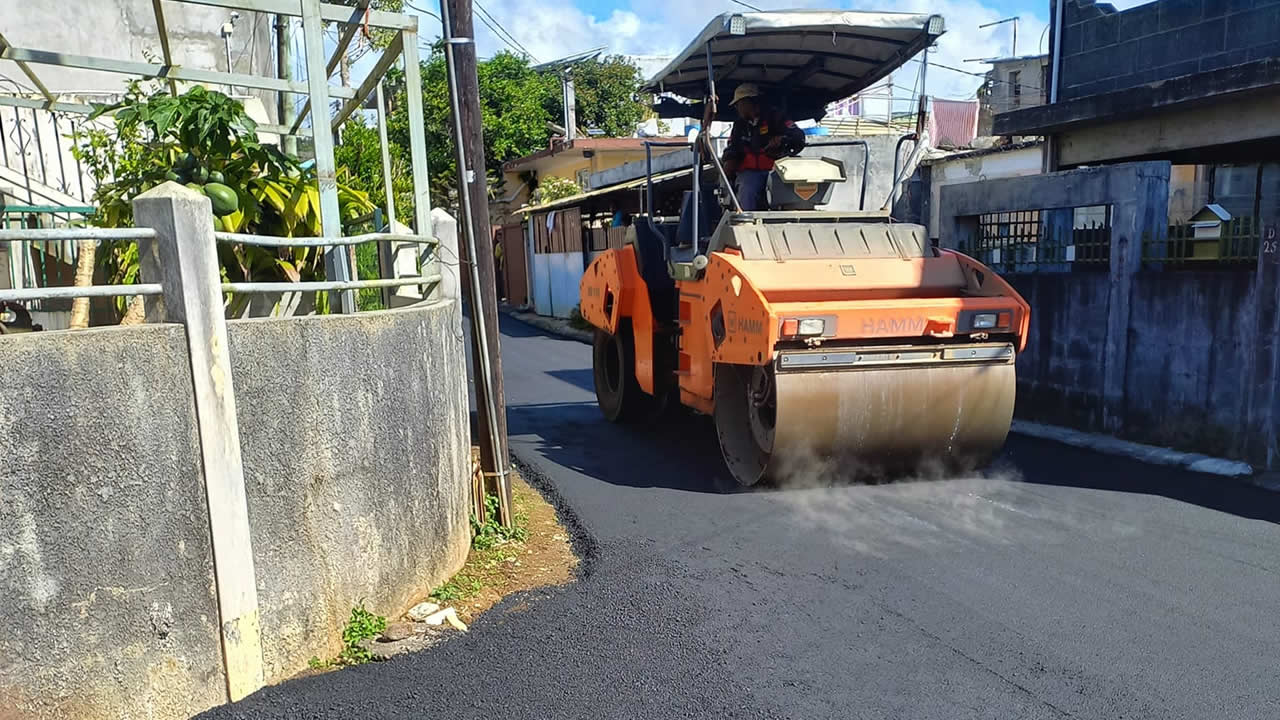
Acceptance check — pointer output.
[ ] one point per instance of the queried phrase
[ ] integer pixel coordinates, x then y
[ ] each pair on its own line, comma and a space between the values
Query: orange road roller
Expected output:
835, 343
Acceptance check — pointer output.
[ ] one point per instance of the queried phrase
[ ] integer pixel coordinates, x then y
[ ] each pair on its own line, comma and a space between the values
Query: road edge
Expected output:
1106, 444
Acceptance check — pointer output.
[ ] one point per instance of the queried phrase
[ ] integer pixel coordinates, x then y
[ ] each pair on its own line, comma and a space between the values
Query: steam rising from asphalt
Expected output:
929, 507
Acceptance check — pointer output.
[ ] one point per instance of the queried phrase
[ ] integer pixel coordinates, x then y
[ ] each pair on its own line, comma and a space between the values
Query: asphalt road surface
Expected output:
1057, 584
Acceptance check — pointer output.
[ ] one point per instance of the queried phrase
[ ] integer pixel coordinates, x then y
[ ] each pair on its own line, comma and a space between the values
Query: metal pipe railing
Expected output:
70, 293
42, 234
250, 288
273, 241
648, 168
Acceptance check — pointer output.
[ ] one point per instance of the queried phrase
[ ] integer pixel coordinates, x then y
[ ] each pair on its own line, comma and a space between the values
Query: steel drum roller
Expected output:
855, 421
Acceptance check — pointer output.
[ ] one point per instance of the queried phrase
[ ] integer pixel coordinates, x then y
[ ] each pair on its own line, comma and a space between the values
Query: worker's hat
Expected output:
745, 90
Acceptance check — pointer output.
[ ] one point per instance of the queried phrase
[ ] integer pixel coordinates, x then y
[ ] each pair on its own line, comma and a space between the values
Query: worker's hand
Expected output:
773, 145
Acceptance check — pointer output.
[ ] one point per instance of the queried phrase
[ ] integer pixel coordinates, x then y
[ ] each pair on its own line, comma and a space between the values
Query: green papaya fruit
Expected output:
172, 176
196, 186
200, 175
216, 177
224, 198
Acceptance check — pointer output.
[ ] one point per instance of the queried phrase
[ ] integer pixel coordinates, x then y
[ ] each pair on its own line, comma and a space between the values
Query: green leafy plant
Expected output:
362, 626
205, 140
555, 188
491, 533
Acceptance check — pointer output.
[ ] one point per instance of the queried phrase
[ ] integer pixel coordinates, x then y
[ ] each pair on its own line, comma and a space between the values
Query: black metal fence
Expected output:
1057, 240
1234, 242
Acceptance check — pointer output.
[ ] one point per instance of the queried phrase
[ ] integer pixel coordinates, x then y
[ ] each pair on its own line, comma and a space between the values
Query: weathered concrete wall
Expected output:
356, 453
126, 30
1060, 374
356, 458
1105, 51
107, 607
1167, 355
1189, 375
1191, 346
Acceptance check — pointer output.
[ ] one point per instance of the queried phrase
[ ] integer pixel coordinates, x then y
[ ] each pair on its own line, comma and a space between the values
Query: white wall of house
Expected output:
971, 168
126, 30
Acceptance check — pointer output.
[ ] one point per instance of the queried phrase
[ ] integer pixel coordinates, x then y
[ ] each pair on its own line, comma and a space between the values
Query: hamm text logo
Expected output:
896, 326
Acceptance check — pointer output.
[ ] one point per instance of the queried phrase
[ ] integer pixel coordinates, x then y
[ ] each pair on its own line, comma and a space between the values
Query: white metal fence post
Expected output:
184, 260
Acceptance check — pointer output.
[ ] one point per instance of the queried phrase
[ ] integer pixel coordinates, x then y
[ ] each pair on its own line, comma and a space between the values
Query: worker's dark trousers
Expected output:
750, 189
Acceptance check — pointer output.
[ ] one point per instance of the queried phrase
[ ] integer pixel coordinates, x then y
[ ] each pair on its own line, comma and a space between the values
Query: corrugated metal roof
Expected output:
578, 199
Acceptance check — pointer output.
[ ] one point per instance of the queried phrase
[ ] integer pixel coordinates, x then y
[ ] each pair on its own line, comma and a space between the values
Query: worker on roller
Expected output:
761, 135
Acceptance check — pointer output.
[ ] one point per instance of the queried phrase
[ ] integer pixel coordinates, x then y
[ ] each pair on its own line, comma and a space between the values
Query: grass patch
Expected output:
535, 553
492, 546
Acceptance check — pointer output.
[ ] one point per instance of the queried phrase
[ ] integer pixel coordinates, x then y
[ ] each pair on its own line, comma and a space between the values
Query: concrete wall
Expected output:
1190, 346
357, 455
107, 606
356, 451
974, 167
1104, 50
1172, 355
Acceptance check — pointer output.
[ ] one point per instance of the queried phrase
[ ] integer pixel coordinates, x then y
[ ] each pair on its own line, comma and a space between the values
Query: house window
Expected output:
582, 178
1015, 83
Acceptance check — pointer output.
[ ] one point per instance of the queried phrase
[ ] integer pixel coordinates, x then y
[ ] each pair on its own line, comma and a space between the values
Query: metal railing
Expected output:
1028, 241
427, 281
1234, 242
37, 142
22, 236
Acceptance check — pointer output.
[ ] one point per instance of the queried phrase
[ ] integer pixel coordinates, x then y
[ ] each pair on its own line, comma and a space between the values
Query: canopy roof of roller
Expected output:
803, 60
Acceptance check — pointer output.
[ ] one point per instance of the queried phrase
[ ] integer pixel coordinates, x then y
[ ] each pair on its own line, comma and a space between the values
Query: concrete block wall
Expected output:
1178, 357
356, 453
1104, 50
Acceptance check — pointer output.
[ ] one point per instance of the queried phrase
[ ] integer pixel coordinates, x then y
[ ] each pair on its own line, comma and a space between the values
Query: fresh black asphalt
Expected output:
1057, 584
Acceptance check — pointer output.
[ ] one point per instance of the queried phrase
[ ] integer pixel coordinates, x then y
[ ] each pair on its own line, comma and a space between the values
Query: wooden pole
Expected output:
481, 292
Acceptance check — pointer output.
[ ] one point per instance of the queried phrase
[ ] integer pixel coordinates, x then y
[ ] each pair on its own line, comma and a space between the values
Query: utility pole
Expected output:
284, 70
570, 106
464, 96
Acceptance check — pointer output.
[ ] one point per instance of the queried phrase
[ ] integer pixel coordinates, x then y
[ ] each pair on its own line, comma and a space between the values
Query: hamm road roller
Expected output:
827, 341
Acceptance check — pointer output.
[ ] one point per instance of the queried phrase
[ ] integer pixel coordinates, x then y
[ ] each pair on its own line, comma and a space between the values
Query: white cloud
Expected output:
551, 29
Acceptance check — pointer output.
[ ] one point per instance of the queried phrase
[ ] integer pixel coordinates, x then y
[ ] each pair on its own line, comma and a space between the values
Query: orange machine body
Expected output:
739, 311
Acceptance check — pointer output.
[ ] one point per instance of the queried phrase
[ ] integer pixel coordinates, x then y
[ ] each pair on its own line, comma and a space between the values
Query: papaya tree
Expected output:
206, 141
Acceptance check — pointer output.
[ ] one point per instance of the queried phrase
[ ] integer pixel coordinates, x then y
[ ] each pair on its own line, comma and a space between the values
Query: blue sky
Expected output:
555, 28
658, 28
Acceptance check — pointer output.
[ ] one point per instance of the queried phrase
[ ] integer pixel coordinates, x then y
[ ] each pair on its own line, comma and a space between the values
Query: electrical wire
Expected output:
749, 7
501, 31
424, 11
974, 74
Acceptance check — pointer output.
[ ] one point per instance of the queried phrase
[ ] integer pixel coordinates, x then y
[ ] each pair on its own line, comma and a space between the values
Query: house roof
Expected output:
628, 185
579, 144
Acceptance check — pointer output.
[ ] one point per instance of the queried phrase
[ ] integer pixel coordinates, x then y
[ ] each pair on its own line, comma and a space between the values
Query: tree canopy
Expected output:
518, 106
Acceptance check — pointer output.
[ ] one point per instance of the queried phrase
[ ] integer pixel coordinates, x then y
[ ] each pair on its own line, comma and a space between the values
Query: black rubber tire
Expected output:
613, 367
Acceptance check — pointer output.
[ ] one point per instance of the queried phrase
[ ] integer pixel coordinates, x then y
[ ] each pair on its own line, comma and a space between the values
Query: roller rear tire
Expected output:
614, 369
